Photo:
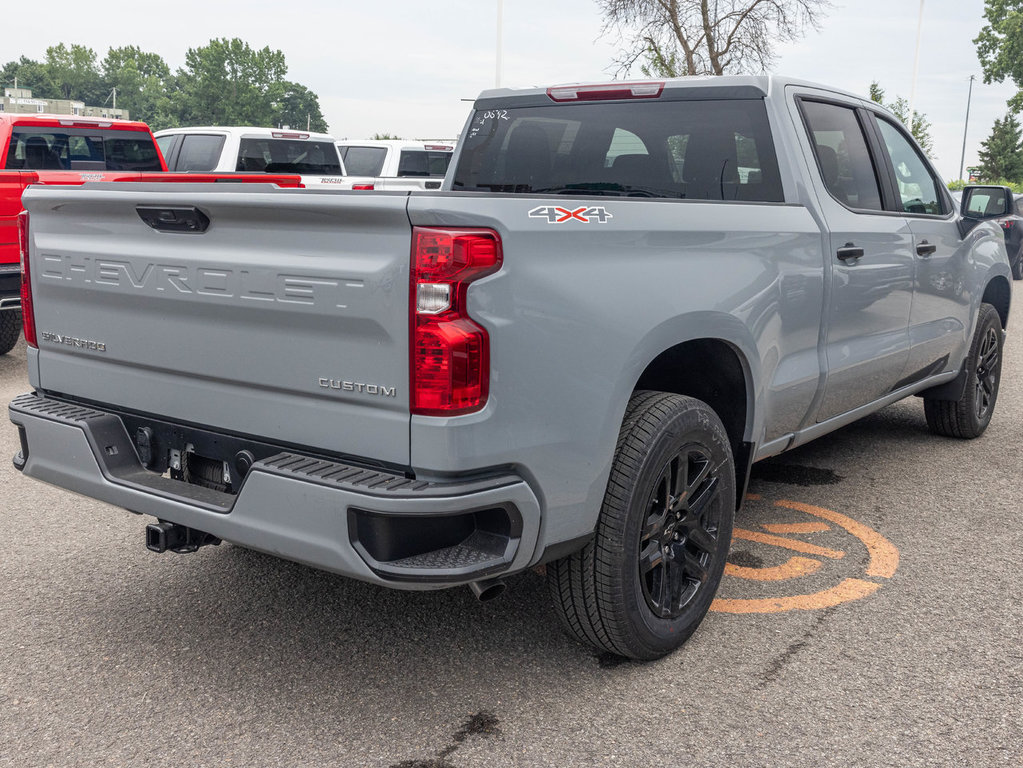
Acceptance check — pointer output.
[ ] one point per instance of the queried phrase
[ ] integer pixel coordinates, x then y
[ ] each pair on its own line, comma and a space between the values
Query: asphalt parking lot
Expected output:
870, 616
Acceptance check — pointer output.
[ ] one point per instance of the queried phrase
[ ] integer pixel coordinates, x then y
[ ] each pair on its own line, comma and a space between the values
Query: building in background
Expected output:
21, 101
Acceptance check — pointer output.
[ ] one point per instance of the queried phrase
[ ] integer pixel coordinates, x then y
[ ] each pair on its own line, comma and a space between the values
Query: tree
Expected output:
229, 83
1001, 155
297, 106
710, 37
140, 80
1000, 45
921, 128
29, 74
72, 73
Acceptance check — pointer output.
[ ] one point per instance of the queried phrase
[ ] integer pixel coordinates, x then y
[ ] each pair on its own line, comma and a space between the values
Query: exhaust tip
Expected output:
487, 590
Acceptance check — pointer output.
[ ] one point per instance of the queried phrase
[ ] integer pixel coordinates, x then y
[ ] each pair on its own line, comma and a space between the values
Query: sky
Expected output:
411, 68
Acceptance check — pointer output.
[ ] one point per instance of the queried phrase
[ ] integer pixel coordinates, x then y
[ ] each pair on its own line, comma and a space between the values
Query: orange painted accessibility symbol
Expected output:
883, 560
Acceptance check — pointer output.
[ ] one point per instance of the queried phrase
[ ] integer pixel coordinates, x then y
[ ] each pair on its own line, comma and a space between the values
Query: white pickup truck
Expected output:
396, 164
251, 149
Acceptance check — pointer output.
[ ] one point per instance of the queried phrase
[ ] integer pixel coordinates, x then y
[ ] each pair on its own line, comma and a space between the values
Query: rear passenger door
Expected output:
869, 254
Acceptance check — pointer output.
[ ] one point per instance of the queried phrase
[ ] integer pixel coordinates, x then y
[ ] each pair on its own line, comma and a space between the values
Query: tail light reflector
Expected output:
28, 317
362, 186
449, 366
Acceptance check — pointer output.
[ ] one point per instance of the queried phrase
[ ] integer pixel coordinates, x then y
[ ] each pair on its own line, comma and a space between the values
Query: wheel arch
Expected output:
998, 293
718, 372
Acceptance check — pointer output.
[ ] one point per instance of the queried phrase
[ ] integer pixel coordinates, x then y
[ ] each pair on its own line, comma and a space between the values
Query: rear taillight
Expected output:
28, 317
449, 353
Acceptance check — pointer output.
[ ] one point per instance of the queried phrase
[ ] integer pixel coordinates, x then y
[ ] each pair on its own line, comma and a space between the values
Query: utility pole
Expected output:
966, 127
916, 64
500, 35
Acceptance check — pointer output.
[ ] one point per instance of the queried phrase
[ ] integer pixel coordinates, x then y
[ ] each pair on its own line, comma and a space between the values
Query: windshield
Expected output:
288, 156
703, 150
81, 149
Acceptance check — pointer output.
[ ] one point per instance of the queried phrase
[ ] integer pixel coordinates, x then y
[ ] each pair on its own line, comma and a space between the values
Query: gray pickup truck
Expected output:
623, 296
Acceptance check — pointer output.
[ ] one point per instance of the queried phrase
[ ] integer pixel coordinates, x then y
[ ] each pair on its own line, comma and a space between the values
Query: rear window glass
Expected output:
364, 161
695, 150
288, 156
81, 149
420, 162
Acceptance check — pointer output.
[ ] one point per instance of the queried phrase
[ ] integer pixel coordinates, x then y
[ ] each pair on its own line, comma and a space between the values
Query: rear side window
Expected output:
695, 150
364, 161
199, 152
421, 162
842, 156
288, 156
81, 149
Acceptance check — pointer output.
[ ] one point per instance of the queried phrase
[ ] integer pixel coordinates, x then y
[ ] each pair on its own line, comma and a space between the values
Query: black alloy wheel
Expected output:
970, 415
679, 536
989, 365
645, 581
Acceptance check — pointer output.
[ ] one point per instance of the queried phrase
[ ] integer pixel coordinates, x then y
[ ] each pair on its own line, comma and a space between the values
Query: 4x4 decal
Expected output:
557, 215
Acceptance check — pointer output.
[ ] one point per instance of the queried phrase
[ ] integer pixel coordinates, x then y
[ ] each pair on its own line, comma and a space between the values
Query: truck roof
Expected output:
249, 130
51, 120
712, 86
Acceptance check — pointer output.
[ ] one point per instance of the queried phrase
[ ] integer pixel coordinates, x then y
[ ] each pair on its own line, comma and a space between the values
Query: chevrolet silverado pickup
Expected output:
251, 149
397, 164
65, 150
623, 295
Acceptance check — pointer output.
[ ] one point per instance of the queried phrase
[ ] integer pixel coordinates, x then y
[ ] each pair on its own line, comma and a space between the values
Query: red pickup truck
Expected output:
65, 149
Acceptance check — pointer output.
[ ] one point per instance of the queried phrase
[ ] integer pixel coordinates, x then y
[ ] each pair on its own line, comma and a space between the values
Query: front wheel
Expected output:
643, 584
969, 416
10, 329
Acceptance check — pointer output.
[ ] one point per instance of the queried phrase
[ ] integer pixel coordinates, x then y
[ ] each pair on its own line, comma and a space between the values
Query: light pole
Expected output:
500, 19
916, 64
969, 97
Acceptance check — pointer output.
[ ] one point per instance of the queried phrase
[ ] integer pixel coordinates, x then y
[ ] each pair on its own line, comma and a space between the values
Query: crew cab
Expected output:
623, 295
251, 149
396, 164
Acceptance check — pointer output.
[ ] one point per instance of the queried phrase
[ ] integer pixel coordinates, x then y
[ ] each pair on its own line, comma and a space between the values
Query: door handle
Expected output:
849, 251
925, 248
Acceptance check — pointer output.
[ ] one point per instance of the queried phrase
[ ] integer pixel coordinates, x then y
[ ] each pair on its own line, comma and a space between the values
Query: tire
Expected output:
10, 329
620, 593
969, 416
1017, 266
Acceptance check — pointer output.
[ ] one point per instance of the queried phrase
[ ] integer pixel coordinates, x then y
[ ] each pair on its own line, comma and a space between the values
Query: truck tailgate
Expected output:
285, 319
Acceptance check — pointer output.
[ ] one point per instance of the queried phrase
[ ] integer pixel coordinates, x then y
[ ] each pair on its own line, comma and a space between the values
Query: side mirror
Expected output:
986, 202
983, 202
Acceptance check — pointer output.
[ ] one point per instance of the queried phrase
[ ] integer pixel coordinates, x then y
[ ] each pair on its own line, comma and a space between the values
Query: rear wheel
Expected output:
10, 330
1017, 266
643, 584
969, 416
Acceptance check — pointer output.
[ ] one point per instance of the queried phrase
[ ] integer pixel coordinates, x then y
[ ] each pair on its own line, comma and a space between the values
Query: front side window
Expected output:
918, 189
694, 150
842, 156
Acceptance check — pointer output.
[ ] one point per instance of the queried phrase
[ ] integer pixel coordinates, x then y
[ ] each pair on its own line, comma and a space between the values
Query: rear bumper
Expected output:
369, 524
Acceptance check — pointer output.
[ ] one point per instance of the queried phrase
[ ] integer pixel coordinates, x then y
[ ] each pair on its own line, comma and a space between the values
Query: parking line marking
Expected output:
793, 568
884, 557
793, 544
850, 589
796, 527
